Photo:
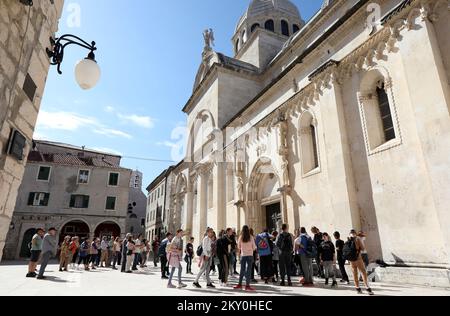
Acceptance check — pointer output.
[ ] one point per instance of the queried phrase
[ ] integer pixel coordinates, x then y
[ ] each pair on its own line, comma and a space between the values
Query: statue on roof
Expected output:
208, 36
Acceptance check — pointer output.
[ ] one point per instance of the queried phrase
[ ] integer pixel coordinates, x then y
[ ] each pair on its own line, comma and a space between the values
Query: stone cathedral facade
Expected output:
341, 122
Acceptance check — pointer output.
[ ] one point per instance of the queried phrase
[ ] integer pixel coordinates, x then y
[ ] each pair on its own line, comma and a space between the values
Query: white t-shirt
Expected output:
138, 243
298, 242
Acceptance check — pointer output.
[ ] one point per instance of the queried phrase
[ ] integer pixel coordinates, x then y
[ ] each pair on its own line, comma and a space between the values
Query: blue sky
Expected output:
149, 52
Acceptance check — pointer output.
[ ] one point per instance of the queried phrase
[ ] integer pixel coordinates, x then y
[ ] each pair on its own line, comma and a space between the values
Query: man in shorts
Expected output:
36, 249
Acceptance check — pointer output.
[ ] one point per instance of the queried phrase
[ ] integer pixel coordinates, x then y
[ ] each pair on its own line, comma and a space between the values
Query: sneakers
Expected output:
334, 284
181, 286
171, 286
211, 286
197, 285
250, 289
359, 291
238, 287
370, 292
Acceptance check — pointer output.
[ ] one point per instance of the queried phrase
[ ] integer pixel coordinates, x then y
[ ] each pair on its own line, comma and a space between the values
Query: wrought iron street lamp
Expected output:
87, 71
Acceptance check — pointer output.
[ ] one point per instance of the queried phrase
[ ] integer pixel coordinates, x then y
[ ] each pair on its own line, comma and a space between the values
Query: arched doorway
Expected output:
27, 237
264, 199
107, 229
74, 228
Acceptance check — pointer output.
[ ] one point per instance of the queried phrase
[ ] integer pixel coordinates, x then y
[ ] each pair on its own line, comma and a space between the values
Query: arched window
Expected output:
284, 28
295, 28
378, 114
308, 143
237, 45
244, 37
254, 27
385, 112
269, 25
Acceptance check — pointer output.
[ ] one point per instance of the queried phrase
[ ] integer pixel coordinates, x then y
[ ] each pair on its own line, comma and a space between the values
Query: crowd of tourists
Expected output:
277, 257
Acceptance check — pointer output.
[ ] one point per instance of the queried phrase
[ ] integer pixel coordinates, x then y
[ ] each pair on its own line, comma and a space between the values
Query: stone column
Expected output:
202, 201
219, 193
188, 213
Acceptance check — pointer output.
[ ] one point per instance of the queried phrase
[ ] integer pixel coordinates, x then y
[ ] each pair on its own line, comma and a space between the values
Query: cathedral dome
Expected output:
278, 16
258, 8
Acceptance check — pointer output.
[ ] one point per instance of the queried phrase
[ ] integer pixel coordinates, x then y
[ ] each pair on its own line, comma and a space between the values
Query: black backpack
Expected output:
199, 251
311, 249
286, 243
349, 252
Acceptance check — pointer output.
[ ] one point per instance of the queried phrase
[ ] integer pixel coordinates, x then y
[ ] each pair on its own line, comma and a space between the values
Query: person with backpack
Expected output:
35, 250
162, 254
246, 246
264, 245
327, 254
84, 254
318, 239
189, 255
307, 250
352, 252
285, 243
206, 255
340, 257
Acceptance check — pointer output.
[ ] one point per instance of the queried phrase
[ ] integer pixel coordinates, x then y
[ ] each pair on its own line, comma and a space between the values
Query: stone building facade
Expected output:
78, 191
343, 124
137, 207
160, 206
24, 36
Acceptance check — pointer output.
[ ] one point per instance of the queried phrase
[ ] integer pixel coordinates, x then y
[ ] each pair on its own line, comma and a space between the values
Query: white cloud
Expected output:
111, 132
142, 121
63, 120
109, 109
68, 121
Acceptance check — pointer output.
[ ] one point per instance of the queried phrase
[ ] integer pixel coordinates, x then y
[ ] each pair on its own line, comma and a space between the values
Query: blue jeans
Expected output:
246, 270
172, 272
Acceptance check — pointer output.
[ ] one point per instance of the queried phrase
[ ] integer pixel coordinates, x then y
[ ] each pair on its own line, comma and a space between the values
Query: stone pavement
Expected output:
148, 283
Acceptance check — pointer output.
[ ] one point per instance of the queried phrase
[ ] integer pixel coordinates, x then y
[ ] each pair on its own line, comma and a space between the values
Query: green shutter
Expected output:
31, 198
46, 199
86, 201
72, 201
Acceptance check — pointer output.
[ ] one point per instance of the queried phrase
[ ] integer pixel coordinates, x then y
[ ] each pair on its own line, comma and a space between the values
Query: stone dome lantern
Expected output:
281, 17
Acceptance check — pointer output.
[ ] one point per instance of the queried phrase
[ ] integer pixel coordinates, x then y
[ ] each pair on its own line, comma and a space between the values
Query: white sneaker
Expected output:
181, 285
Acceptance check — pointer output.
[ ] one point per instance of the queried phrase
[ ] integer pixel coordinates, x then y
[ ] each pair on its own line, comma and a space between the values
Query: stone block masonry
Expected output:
24, 36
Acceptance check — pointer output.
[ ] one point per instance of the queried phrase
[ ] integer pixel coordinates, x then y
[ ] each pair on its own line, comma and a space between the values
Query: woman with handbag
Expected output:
174, 257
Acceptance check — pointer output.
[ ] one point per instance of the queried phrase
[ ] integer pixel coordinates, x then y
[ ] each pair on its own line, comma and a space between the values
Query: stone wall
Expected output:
24, 36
